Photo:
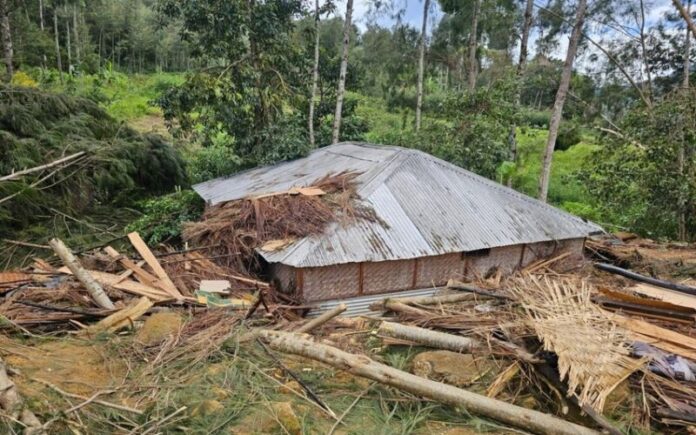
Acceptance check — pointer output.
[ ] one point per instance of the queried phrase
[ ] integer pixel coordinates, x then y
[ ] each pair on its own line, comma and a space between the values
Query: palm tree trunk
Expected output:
421, 64
561, 95
342, 75
473, 43
315, 75
6, 35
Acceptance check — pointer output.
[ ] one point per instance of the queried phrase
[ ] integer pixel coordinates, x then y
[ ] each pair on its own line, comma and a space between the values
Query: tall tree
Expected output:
561, 94
473, 45
6, 35
342, 75
315, 74
421, 64
687, 49
57, 42
77, 35
524, 41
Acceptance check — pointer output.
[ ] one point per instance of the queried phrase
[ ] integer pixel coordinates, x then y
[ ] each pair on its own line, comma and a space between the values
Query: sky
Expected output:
413, 15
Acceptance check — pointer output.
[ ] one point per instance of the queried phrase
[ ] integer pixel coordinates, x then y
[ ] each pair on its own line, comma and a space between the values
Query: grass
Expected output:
125, 97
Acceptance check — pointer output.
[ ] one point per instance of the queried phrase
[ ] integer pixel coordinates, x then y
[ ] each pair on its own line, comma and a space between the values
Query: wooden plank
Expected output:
664, 295
122, 318
143, 275
151, 260
666, 346
127, 285
658, 332
129, 272
656, 303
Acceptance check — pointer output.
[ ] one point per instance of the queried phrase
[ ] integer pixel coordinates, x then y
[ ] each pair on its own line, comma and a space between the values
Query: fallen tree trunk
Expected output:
646, 279
427, 337
430, 300
72, 263
315, 323
398, 307
363, 366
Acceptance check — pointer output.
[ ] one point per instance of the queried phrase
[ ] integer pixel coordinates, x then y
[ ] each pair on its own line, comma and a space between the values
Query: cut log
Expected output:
646, 279
151, 260
436, 300
363, 366
427, 337
122, 318
320, 320
398, 307
72, 263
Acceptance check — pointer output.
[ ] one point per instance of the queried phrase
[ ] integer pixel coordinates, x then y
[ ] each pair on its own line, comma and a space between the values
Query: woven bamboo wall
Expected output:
535, 251
353, 279
330, 282
386, 276
438, 269
285, 275
505, 258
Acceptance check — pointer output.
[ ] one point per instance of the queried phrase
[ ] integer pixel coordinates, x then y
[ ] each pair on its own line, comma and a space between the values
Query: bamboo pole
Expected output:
360, 365
320, 320
427, 337
72, 263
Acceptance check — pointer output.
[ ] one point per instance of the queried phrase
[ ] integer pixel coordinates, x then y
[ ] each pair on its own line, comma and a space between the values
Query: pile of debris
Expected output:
547, 334
598, 348
107, 287
235, 229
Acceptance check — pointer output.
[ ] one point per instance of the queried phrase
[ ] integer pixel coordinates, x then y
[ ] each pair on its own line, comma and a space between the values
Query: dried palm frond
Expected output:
593, 353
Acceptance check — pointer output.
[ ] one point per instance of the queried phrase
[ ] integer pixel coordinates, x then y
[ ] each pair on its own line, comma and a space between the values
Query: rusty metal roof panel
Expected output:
425, 206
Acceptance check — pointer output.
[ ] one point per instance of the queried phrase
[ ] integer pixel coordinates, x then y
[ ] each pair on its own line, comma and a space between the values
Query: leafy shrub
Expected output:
535, 118
569, 134
22, 79
163, 217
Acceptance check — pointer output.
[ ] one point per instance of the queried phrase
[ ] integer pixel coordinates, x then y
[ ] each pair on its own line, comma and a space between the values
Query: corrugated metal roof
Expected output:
425, 205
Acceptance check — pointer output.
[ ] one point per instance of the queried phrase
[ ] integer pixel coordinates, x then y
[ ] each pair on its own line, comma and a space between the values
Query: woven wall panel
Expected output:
436, 270
575, 247
330, 282
536, 251
505, 258
285, 275
386, 276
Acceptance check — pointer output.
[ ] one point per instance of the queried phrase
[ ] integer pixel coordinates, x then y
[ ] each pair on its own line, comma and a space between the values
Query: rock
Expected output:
459, 369
158, 327
207, 407
287, 417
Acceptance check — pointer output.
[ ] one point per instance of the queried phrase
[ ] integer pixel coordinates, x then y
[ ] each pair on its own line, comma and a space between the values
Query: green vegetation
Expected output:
228, 83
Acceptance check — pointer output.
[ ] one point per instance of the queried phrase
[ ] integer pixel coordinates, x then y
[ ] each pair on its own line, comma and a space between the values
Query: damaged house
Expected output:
432, 221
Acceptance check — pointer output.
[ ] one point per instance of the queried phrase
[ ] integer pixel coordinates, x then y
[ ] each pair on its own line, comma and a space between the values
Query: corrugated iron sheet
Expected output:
425, 205
360, 305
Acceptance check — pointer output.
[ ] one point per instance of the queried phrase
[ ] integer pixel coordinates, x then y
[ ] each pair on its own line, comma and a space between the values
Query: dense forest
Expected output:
586, 104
